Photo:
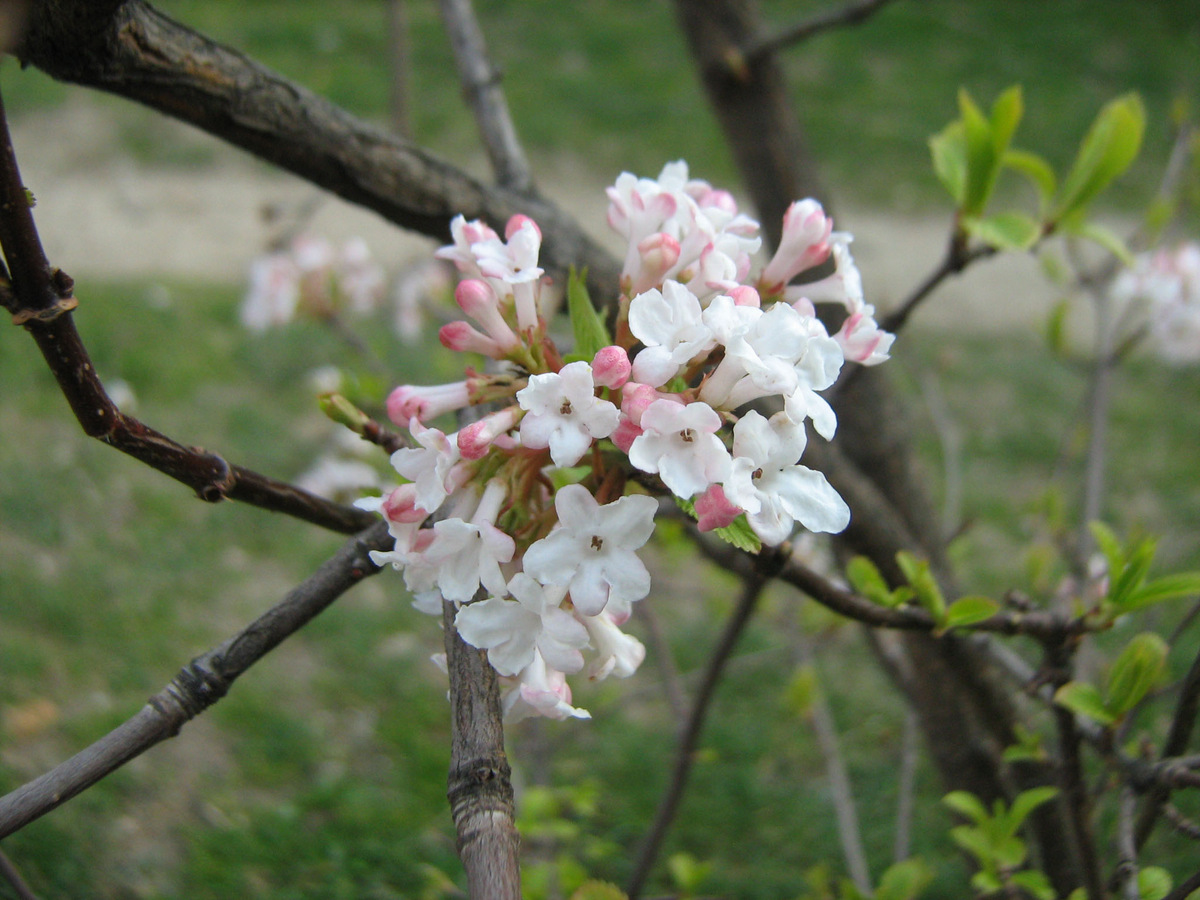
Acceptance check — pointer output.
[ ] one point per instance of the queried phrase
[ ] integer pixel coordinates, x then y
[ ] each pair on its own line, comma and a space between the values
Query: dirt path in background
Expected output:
102, 215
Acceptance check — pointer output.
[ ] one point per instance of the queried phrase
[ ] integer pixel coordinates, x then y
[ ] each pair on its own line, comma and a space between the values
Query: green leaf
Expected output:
738, 532
1036, 169
904, 880
1097, 233
969, 610
1136, 670
1006, 115
1154, 883
1124, 582
949, 150
865, 578
982, 160
1166, 588
1056, 326
1005, 231
920, 577
967, 805
1025, 803
1109, 545
1083, 698
1107, 150
1034, 883
974, 841
686, 872
586, 324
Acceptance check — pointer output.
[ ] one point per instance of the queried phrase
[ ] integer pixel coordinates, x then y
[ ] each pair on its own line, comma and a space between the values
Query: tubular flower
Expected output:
564, 413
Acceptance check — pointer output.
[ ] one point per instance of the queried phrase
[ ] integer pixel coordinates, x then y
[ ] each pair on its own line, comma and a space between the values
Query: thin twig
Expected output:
41, 298
840, 788
957, 258
1125, 878
481, 87
199, 685
10, 874
849, 14
752, 587
906, 783
1178, 736
1185, 888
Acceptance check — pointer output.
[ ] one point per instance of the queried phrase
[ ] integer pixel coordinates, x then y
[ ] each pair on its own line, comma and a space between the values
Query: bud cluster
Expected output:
529, 519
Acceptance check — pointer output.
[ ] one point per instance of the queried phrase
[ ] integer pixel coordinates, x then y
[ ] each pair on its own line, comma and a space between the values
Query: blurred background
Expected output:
323, 773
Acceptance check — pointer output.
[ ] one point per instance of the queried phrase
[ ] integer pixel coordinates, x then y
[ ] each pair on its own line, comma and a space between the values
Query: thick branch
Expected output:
139, 53
200, 684
480, 785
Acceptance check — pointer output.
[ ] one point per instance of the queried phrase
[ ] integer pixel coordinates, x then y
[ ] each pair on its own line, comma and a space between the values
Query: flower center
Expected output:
688, 435
565, 409
756, 474
597, 542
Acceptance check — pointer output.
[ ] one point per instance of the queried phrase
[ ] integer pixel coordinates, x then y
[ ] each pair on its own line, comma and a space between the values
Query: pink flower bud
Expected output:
714, 509
611, 367
425, 402
744, 295
804, 244
516, 223
635, 398
656, 254
401, 505
462, 337
477, 299
475, 439
626, 432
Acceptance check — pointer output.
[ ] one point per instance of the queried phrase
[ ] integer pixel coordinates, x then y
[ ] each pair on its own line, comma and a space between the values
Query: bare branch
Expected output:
200, 684
41, 298
957, 258
10, 874
481, 87
131, 49
480, 780
842, 16
906, 783
1182, 723
685, 751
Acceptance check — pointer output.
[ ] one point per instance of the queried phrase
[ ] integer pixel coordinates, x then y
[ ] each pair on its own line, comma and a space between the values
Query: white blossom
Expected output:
564, 413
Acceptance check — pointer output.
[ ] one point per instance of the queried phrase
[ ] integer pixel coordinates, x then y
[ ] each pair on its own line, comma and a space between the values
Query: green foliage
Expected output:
993, 840
1128, 567
738, 532
1136, 670
586, 324
1107, 150
865, 577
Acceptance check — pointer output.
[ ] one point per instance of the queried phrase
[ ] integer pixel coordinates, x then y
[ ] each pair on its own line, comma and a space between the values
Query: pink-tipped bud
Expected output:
426, 402
714, 509
462, 337
477, 299
401, 505
804, 244
516, 223
804, 306
611, 367
714, 198
635, 399
475, 439
656, 254
744, 295
626, 432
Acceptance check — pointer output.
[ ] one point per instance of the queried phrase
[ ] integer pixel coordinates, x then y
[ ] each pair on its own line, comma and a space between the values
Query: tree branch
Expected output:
752, 586
199, 685
480, 780
41, 298
131, 49
481, 87
10, 874
797, 32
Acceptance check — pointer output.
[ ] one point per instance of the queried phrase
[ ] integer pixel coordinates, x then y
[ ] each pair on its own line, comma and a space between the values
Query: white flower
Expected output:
775, 492
541, 691
431, 467
803, 244
510, 631
564, 414
680, 444
670, 323
274, 292
617, 653
591, 551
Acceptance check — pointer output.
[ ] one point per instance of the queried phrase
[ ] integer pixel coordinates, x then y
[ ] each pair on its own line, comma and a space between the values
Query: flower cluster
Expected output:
1162, 289
313, 277
529, 519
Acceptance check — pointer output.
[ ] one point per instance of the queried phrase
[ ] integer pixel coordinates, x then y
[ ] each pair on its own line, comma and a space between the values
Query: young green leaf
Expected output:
738, 532
920, 577
598, 890
1034, 883
866, 579
982, 160
1025, 803
1136, 670
1168, 587
1005, 231
1084, 699
1098, 234
586, 324
1037, 170
969, 610
904, 880
802, 690
949, 150
1154, 883
967, 805
1107, 150
1006, 115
